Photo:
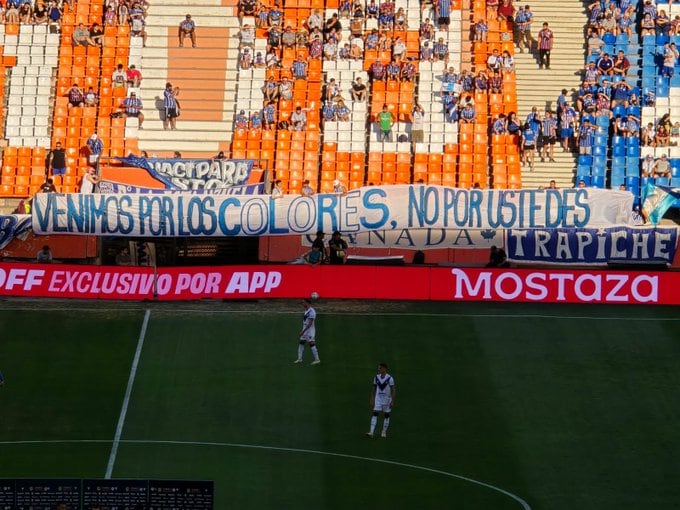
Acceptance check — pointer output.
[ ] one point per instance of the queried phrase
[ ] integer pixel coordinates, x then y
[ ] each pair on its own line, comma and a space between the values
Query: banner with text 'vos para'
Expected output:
361, 210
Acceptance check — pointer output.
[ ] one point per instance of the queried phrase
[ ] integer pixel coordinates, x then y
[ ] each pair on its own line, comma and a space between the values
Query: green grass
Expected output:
565, 407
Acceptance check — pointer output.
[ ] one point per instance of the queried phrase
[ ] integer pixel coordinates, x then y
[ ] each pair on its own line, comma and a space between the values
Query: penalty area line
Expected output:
126, 399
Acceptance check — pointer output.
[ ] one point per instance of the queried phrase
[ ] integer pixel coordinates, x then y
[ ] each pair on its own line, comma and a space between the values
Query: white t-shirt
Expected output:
310, 332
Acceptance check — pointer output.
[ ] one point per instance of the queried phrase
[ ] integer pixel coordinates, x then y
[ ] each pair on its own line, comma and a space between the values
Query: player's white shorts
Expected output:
305, 338
383, 404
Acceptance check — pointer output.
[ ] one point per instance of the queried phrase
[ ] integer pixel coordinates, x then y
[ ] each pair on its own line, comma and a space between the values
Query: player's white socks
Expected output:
374, 422
386, 423
301, 350
315, 353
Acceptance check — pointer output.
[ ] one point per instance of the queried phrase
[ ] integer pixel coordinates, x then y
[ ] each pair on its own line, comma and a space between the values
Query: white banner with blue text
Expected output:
361, 210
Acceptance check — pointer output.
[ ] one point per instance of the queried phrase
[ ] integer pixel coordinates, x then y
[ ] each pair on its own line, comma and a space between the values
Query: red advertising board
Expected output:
339, 282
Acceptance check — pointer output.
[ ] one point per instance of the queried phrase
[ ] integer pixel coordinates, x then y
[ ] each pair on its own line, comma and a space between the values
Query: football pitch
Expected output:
497, 406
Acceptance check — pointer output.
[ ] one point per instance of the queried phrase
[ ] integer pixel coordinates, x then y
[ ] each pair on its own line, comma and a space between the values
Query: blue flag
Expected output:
656, 200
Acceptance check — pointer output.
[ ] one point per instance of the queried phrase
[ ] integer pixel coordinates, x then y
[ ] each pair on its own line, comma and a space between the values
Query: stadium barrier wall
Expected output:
340, 282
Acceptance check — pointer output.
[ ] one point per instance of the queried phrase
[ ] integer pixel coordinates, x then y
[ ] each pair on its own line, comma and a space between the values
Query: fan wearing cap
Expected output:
187, 28
241, 120
171, 106
132, 107
338, 188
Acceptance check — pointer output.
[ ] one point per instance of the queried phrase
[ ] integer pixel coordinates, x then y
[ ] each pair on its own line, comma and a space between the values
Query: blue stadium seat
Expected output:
675, 79
675, 167
609, 39
599, 150
622, 39
675, 182
675, 39
662, 39
600, 139
619, 110
618, 162
633, 151
635, 111
648, 83
633, 166
598, 171
618, 141
662, 181
585, 160
644, 181
600, 161
583, 170
619, 151
598, 181
633, 183
585, 179
616, 78
649, 41
617, 180
662, 88
619, 171
602, 122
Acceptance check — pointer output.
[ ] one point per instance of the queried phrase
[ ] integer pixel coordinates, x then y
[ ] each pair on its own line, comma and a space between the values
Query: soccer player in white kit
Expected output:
308, 333
382, 399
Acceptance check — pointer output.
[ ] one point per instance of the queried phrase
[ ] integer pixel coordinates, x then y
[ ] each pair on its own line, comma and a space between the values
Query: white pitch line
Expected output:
126, 399
523, 503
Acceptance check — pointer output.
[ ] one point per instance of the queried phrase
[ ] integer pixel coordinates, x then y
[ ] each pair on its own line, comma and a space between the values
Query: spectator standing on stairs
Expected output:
187, 28
546, 39
171, 106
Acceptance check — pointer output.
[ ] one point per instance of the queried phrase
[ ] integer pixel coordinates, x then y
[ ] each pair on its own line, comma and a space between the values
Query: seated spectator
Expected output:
286, 89
506, 10
426, 31
39, 13
48, 186
648, 136
662, 167
358, 91
451, 107
625, 23
274, 35
134, 77
468, 115
495, 83
621, 65
647, 166
246, 36
269, 115
187, 28
591, 74
595, 43
270, 89
132, 107
398, 49
441, 50
608, 25
498, 258
632, 126
241, 120
426, 53
372, 10
342, 112
262, 17
91, 98
494, 61
605, 65
675, 134
54, 14
119, 77
662, 23
256, 120
271, 59
25, 12
499, 126
621, 93
109, 16
75, 95
377, 71
344, 52
258, 61
408, 71
328, 112
275, 14
675, 26
662, 137
299, 119
507, 63
332, 89
246, 8
400, 21
330, 49
12, 13
299, 68
467, 81
480, 30
288, 38
81, 36
332, 25
356, 48
393, 70
647, 26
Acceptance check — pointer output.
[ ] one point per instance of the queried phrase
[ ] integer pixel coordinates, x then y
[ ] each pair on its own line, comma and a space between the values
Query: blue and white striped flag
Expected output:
656, 200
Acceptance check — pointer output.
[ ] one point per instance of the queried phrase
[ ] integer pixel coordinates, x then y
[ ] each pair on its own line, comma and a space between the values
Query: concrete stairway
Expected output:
541, 88
206, 76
